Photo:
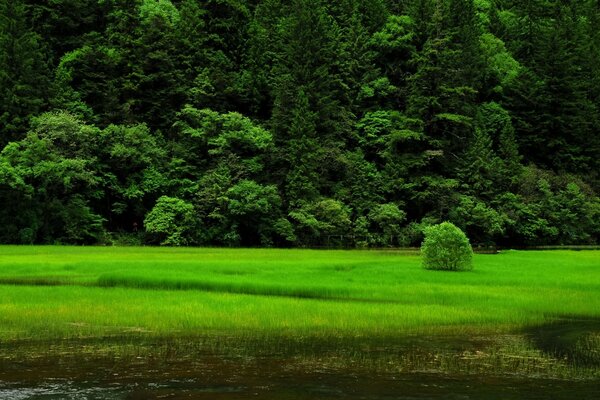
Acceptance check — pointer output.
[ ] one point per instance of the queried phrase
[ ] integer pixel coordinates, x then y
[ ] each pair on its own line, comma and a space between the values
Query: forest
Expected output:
306, 123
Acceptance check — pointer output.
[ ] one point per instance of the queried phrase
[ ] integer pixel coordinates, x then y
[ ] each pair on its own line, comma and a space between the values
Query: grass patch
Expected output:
81, 292
242, 287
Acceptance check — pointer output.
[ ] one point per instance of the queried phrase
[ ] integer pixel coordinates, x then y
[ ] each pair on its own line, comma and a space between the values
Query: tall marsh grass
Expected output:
76, 292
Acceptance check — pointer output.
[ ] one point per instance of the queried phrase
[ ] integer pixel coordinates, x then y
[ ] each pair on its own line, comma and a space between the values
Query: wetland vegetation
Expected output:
70, 292
159, 316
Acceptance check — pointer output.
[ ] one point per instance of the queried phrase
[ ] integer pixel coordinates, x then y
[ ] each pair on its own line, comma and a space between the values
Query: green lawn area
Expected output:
56, 292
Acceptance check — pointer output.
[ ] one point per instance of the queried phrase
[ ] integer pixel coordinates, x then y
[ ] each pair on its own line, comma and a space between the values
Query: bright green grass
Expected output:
98, 291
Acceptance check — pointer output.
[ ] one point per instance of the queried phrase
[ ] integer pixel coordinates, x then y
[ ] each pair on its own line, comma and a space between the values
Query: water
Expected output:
311, 386
507, 367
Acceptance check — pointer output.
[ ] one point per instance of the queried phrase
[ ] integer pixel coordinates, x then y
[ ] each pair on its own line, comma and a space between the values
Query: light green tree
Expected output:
446, 248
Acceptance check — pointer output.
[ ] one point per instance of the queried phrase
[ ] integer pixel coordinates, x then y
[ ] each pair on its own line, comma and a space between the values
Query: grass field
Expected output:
49, 293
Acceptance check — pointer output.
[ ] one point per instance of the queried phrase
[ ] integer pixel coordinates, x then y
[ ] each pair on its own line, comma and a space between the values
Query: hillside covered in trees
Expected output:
299, 122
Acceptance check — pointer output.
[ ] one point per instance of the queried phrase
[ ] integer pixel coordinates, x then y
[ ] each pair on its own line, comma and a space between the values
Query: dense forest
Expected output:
299, 122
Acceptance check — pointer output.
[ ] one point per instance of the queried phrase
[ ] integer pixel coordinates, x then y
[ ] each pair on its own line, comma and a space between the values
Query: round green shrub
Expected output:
446, 248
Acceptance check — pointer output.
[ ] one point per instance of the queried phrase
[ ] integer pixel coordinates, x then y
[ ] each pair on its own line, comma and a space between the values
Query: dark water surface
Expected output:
420, 368
411, 386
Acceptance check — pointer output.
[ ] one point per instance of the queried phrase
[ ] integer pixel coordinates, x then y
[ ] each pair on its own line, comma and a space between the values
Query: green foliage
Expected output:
224, 134
446, 248
248, 198
53, 181
557, 208
225, 153
482, 223
501, 68
317, 221
24, 73
132, 165
162, 10
82, 225
549, 99
388, 218
252, 208
397, 34
66, 25
86, 84
173, 221
296, 122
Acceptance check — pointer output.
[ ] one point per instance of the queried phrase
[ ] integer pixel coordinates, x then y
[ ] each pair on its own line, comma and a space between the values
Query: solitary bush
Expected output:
447, 248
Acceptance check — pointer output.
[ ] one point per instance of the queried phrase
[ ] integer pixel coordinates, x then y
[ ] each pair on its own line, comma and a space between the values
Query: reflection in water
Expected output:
417, 368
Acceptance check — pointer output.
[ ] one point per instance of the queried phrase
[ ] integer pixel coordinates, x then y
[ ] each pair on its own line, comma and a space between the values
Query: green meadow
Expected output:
55, 293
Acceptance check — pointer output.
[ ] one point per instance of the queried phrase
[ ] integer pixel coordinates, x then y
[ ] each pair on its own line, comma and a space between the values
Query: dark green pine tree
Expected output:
310, 112
24, 75
152, 90
465, 30
443, 89
211, 40
366, 86
89, 82
592, 13
422, 13
524, 98
442, 94
550, 101
96, 80
67, 25
589, 51
393, 44
257, 76
570, 78
492, 162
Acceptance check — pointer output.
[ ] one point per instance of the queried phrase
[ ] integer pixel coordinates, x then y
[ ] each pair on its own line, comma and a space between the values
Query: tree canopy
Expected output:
299, 123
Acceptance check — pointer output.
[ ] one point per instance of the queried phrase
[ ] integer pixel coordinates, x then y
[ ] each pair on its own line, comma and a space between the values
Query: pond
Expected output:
524, 365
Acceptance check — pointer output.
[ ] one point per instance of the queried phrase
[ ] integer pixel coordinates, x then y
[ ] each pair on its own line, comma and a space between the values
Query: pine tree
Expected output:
211, 36
67, 25
308, 85
549, 101
23, 72
444, 86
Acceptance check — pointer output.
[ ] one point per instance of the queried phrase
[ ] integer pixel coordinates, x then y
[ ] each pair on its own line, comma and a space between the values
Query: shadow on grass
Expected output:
574, 340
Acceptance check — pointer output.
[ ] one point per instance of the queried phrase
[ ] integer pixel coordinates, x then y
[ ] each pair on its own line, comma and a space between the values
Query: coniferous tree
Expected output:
549, 99
67, 25
23, 72
310, 115
212, 37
